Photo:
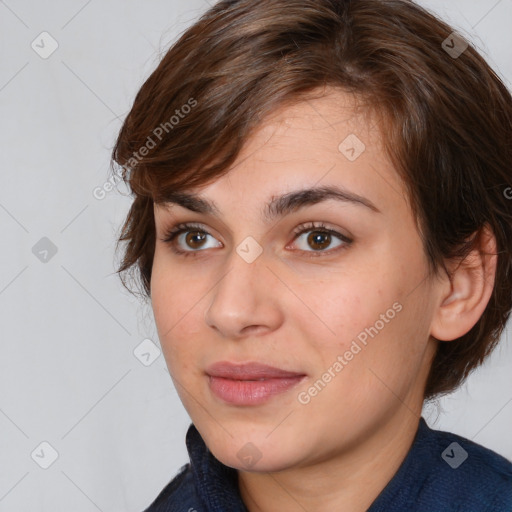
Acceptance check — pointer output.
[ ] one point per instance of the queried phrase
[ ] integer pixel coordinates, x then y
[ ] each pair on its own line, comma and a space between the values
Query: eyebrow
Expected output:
277, 206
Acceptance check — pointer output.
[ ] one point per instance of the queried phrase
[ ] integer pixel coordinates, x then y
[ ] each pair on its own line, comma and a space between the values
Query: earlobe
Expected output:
465, 294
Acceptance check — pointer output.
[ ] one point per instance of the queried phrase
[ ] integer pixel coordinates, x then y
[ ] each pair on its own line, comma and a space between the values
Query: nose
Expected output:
246, 300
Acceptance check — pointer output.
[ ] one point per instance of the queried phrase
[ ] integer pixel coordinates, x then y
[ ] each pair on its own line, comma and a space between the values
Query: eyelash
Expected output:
174, 232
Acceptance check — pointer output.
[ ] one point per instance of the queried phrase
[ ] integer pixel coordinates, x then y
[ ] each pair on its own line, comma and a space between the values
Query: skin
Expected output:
299, 313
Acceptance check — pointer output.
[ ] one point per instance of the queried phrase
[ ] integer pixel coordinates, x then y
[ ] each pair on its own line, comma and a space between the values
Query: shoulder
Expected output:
178, 495
470, 476
446, 472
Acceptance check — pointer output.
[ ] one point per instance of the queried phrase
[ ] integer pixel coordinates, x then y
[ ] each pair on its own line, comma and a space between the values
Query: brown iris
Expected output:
315, 238
195, 239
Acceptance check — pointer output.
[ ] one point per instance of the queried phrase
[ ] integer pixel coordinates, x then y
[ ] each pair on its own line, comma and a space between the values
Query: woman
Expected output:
321, 222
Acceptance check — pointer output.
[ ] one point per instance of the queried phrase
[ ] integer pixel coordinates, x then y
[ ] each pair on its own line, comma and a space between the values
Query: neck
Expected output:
348, 481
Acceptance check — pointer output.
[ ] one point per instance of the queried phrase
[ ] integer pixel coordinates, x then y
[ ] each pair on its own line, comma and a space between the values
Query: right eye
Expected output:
188, 235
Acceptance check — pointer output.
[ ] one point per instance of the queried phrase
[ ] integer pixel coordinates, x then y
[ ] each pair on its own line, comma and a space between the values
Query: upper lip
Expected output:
248, 371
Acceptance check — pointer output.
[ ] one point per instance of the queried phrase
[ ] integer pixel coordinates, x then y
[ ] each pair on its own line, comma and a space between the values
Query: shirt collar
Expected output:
216, 484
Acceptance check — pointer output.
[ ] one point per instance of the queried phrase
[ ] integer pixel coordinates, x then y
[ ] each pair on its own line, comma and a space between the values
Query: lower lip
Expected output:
251, 392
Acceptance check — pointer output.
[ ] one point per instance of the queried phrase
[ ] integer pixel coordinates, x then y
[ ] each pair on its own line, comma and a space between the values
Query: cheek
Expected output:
374, 323
347, 306
176, 304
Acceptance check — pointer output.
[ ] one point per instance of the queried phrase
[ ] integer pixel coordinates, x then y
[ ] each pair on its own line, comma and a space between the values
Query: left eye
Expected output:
319, 239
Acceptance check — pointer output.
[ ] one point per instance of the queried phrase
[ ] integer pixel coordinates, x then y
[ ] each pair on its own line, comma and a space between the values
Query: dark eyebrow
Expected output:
297, 199
277, 206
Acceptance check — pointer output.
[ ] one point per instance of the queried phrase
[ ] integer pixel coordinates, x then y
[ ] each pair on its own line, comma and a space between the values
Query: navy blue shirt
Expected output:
442, 472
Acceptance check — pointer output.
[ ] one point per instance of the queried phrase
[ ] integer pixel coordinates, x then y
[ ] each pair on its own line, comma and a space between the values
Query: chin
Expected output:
255, 453
260, 464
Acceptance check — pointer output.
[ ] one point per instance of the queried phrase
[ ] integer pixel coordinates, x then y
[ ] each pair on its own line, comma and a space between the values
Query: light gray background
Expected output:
68, 373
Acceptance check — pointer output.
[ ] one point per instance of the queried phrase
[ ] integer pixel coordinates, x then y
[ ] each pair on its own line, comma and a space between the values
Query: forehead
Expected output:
324, 141
321, 141
318, 122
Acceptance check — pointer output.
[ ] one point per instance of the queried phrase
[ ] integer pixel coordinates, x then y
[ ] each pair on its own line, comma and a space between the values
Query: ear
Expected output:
465, 294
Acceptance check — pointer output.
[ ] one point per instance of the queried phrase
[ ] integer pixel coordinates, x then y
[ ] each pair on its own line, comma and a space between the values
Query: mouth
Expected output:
250, 383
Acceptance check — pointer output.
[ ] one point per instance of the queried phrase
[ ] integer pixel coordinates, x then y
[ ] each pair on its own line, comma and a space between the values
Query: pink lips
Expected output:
249, 383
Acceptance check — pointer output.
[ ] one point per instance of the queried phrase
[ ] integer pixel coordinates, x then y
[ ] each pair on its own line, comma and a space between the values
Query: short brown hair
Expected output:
448, 125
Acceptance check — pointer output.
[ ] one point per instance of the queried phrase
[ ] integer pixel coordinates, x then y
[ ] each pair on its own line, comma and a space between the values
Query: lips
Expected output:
248, 371
249, 383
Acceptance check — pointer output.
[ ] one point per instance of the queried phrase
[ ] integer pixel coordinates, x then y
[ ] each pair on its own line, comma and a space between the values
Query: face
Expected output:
296, 324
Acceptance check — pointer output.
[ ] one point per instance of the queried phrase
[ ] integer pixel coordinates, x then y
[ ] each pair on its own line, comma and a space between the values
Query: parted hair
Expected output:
445, 118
